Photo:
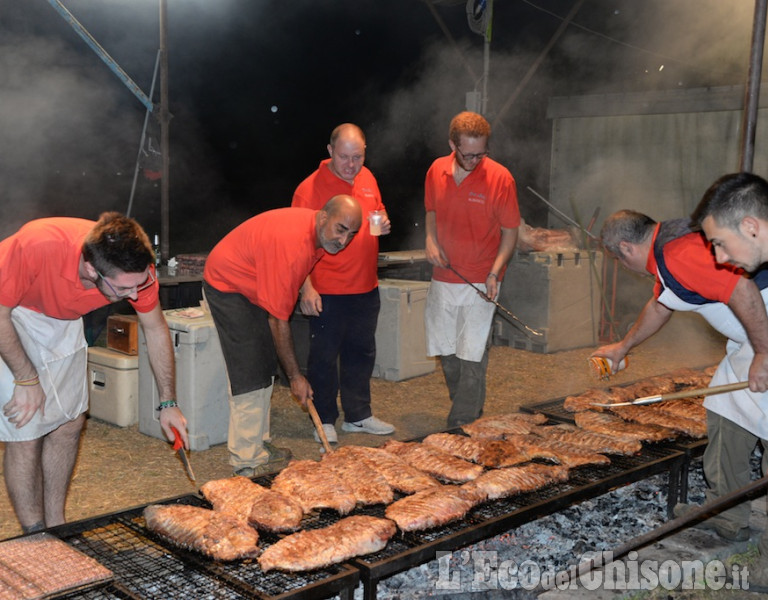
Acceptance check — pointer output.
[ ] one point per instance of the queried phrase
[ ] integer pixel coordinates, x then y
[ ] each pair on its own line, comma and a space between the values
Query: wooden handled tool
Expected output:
708, 391
318, 425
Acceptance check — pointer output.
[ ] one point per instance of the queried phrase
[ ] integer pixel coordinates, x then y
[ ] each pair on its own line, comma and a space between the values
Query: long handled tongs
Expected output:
514, 320
708, 391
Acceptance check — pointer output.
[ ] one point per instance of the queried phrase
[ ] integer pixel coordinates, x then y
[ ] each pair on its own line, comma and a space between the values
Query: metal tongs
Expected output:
708, 391
516, 321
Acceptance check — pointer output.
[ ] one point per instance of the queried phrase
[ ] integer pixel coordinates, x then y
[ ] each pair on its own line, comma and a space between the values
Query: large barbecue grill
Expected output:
146, 566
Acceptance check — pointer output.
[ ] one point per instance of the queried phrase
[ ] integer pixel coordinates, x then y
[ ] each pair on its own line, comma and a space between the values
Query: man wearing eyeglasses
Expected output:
471, 232
52, 272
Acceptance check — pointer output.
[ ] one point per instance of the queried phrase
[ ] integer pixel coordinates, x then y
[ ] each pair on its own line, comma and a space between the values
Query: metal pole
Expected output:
487, 57
164, 137
752, 93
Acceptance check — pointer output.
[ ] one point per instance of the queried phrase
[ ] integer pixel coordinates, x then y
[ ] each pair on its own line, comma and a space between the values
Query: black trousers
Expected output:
342, 352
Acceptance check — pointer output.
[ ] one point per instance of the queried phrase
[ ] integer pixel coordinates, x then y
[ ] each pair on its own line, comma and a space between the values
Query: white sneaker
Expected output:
330, 434
369, 425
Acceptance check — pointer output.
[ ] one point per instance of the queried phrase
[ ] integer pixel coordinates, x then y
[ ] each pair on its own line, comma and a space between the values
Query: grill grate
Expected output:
491, 518
147, 568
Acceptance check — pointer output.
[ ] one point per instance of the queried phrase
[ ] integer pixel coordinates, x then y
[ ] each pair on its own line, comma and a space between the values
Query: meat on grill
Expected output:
503, 453
591, 440
649, 415
216, 534
566, 454
367, 485
587, 400
314, 486
500, 483
495, 427
433, 507
434, 462
317, 548
401, 476
458, 445
615, 426
690, 408
261, 507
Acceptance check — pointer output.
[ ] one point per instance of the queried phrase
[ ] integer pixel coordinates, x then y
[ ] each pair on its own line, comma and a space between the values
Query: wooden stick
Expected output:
318, 425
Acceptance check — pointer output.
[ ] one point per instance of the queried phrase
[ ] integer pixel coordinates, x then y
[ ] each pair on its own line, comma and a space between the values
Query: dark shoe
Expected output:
244, 472
726, 529
278, 457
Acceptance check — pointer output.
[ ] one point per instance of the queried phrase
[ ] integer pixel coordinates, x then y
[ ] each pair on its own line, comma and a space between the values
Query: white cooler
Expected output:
113, 386
401, 341
201, 382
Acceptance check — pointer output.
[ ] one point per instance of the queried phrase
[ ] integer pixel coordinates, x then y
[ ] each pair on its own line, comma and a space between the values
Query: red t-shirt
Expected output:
470, 216
266, 259
690, 260
352, 271
39, 271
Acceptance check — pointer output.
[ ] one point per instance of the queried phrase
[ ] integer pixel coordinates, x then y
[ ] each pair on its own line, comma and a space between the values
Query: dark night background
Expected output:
257, 85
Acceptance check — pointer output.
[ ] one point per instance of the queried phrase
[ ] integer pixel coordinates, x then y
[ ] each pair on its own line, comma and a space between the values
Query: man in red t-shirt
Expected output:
689, 279
342, 295
52, 272
471, 225
251, 283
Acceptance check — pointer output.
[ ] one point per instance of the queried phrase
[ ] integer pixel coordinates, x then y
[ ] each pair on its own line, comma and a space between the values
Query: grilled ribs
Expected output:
317, 548
367, 484
501, 483
261, 507
434, 462
314, 486
216, 534
433, 507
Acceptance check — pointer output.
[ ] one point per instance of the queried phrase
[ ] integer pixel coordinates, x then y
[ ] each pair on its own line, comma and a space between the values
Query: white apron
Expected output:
458, 321
59, 352
745, 408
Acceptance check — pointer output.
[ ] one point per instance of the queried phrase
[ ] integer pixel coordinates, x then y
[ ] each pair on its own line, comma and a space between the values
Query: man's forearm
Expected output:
749, 307
286, 354
11, 349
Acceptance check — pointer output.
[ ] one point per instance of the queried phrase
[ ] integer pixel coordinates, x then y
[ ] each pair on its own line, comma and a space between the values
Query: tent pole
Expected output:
164, 137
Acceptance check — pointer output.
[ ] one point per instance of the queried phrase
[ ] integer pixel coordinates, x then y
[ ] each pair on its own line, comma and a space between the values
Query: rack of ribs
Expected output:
401, 476
650, 415
596, 442
261, 507
317, 548
367, 484
314, 486
501, 483
433, 507
434, 462
615, 426
216, 534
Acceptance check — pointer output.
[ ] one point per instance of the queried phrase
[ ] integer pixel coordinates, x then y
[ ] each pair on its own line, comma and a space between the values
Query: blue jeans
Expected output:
342, 352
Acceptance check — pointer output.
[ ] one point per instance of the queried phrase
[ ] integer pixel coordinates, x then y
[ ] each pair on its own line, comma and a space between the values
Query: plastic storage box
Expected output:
113, 386
401, 343
552, 292
201, 382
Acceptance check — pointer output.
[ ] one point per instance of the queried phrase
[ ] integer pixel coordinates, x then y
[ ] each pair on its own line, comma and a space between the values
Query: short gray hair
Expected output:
625, 226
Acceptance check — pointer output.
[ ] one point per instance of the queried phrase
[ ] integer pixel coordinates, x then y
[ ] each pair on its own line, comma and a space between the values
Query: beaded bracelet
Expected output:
493, 275
27, 382
167, 404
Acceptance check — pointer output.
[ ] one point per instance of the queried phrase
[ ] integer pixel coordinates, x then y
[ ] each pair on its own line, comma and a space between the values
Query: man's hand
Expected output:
614, 352
301, 389
758, 373
311, 303
25, 402
173, 417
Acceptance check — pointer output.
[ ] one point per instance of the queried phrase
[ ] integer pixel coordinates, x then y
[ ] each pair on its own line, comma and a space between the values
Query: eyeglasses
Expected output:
127, 291
469, 157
